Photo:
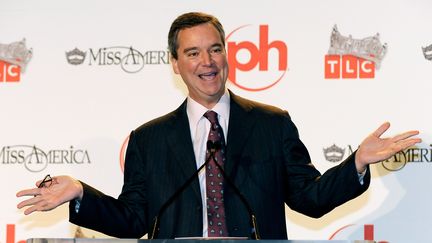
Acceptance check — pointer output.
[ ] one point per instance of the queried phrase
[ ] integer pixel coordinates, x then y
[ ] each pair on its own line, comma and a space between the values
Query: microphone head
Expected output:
213, 145
217, 145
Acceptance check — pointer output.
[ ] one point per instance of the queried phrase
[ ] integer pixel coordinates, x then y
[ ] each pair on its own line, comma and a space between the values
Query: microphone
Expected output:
255, 233
212, 147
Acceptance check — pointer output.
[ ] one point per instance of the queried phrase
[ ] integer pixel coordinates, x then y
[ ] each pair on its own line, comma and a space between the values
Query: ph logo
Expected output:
9, 72
123, 153
348, 67
271, 57
368, 233
10, 234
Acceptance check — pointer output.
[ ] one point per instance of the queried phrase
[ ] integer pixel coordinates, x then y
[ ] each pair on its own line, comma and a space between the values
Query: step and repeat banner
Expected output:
77, 76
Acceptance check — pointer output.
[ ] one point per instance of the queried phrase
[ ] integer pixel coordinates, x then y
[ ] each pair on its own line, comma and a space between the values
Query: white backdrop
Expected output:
75, 118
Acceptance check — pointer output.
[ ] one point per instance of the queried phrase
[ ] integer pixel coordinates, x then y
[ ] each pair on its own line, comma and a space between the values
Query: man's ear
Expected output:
174, 63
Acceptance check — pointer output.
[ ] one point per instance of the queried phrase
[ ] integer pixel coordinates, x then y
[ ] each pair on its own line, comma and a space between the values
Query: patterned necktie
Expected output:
215, 180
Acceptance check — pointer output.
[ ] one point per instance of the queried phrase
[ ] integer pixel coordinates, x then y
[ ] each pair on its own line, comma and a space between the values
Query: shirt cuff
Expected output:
78, 204
360, 177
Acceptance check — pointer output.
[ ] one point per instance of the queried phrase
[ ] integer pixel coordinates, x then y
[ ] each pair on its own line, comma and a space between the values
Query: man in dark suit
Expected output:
263, 158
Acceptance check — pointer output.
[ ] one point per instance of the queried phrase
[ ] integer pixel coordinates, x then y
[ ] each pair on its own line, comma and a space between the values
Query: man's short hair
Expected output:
189, 20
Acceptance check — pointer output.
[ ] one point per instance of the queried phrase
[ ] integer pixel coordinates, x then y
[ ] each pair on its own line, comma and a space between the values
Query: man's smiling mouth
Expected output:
208, 76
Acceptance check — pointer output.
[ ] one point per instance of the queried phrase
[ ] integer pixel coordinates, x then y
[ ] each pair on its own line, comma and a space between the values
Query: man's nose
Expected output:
207, 59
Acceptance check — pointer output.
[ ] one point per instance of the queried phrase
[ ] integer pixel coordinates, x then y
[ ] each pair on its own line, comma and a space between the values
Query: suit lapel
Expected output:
179, 140
240, 127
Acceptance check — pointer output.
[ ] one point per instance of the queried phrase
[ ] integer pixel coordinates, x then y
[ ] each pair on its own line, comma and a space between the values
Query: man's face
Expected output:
202, 63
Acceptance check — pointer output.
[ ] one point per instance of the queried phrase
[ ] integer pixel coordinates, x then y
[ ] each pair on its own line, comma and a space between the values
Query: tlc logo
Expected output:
244, 56
348, 66
9, 72
10, 234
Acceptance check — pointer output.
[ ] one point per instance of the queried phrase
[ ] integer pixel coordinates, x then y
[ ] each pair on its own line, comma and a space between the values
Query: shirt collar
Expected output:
195, 110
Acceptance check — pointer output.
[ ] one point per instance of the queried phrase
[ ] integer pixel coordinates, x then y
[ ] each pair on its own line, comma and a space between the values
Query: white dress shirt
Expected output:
200, 127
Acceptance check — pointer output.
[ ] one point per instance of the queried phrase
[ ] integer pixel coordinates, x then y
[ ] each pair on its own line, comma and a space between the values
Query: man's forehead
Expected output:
193, 35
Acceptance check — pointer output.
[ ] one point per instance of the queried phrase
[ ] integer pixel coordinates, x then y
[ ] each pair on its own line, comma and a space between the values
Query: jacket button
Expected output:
199, 208
235, 229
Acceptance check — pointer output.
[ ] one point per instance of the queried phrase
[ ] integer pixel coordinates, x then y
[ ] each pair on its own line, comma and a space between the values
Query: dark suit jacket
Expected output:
265, 159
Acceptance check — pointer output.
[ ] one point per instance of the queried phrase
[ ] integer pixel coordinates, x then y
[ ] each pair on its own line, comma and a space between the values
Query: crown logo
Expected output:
427, 52
75, 57
369, 48
16, 53
334, 153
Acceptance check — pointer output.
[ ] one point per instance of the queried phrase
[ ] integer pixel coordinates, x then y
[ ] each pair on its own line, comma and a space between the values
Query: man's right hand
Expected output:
62, 189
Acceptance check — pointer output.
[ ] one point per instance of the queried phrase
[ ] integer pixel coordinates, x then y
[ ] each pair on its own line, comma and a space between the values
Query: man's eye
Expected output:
192, 54
216, 50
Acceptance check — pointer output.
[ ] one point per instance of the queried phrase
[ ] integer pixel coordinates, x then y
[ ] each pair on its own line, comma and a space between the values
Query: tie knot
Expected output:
211, 116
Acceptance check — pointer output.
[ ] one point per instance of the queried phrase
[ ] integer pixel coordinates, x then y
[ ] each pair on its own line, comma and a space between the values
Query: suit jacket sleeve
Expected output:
125, 217
309, 192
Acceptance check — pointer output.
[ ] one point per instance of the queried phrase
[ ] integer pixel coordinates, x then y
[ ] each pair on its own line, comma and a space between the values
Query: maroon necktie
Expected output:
215, 180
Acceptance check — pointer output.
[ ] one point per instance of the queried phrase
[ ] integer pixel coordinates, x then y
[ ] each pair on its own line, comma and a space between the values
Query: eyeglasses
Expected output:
46, 182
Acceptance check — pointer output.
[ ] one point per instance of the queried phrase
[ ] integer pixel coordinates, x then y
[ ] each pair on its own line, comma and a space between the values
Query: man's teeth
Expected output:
207, 75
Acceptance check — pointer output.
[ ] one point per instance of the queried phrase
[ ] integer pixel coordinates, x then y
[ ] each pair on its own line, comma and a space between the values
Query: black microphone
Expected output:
212, 147
255, 233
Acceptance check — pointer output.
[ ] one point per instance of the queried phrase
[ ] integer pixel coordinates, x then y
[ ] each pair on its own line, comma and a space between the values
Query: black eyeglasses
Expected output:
46, 182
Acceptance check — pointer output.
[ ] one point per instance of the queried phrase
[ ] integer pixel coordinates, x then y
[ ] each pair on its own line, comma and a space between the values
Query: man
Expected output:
263, 158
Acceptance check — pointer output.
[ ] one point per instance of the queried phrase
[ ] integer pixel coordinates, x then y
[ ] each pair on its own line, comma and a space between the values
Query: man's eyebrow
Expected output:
217, 45
196, 48
190, 49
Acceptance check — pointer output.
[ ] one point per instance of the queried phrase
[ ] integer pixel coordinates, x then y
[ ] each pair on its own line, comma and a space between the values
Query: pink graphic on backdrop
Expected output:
258, 55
